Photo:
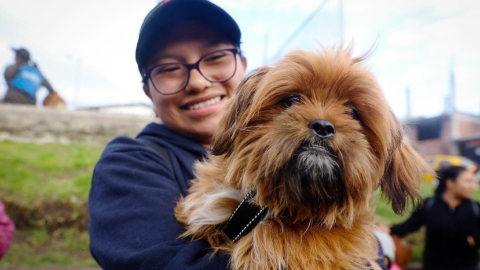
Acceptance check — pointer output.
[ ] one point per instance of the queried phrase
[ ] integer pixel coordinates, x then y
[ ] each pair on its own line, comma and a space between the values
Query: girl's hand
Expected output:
471, 241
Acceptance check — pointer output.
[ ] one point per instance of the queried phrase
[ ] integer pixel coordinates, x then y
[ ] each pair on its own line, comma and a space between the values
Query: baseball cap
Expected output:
22, 53
170, 12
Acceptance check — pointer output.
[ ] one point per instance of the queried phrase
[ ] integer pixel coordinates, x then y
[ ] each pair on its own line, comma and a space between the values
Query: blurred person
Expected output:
7, 227
23, 79
452, 223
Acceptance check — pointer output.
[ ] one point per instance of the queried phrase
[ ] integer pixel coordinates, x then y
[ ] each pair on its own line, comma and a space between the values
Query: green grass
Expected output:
36, 247
34, 173
38, 172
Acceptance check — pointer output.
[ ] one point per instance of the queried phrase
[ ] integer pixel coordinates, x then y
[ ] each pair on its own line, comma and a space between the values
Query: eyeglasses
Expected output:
171, 78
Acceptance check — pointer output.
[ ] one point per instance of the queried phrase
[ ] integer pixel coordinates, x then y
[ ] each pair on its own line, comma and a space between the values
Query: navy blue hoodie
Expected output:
132, 201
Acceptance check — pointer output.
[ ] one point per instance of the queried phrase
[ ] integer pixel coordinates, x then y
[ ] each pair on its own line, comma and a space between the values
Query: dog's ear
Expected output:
403, 174
233, 120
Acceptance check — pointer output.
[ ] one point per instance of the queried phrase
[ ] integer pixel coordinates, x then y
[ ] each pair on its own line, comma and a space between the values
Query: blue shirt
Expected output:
27, 80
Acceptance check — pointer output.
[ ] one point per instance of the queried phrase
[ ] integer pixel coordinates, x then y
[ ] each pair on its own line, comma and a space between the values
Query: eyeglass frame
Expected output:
196, 65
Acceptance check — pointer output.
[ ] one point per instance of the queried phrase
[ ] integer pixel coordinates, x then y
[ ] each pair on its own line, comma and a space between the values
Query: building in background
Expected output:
454, 133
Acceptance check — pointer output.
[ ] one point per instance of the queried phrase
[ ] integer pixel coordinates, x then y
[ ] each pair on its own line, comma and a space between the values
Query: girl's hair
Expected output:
450, 173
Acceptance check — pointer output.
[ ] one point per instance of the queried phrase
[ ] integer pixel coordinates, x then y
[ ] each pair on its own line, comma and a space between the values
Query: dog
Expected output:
305, 142
54, 100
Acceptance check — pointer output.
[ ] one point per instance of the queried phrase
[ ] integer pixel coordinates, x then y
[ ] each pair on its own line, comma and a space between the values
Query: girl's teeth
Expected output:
205, 103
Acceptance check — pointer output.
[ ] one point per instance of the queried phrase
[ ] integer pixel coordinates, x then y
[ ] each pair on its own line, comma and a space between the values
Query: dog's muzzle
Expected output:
312, 177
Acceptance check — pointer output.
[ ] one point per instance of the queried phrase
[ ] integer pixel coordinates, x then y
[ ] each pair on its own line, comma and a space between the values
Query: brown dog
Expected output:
54, 100
306, 142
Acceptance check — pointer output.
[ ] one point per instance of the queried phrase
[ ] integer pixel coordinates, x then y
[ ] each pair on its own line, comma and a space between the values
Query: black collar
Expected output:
245, 217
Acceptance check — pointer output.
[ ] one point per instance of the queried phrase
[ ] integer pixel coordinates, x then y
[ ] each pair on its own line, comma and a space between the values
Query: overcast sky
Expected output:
87, 48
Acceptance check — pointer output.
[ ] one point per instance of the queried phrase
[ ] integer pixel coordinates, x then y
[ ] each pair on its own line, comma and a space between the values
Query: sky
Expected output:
86, 48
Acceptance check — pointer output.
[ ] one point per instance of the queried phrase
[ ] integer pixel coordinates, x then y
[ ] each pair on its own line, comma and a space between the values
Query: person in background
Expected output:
23, 79
7, 227
452, 223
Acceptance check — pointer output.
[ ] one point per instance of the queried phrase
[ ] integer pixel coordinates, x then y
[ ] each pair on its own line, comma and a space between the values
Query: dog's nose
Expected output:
322, 128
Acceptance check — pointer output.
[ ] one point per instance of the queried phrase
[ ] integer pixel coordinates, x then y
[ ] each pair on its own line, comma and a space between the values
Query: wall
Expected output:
438, 146
431, 147
24, 123
468, 128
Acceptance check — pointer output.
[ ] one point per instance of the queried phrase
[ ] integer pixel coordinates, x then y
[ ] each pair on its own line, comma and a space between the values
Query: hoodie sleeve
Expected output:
132, 221
412, 224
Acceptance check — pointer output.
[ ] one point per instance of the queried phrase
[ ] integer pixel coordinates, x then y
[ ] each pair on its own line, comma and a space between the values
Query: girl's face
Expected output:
464, 186
196, 111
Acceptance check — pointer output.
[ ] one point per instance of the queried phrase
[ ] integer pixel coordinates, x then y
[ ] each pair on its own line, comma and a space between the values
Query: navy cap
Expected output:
170, 12
22, 53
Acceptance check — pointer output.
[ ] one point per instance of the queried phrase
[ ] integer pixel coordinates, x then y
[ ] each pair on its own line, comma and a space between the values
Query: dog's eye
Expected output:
288, 101
355, 115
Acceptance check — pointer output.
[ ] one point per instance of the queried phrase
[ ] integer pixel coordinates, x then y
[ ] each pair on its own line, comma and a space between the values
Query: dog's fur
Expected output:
319, 190
54, 100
